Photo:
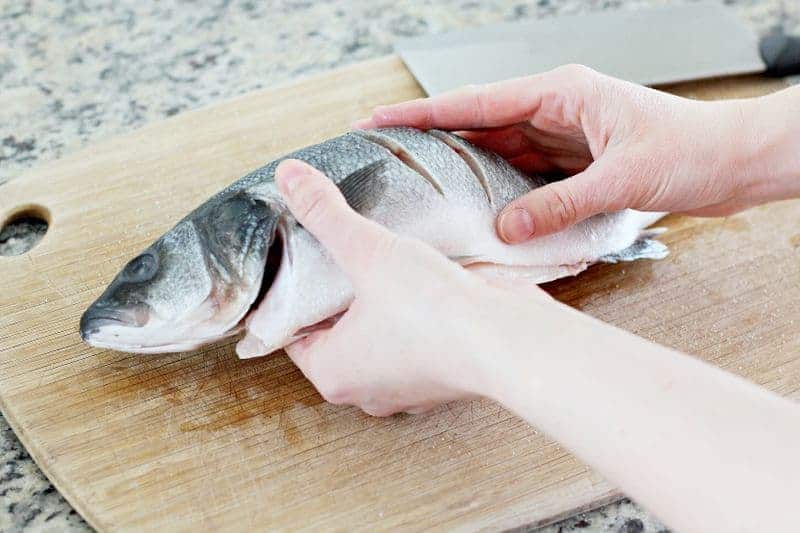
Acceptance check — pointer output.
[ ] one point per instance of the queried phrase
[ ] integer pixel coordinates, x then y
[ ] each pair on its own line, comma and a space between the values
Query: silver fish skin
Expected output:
241, 262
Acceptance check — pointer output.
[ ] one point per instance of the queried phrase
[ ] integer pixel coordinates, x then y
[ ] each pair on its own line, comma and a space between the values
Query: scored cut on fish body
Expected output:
433, 185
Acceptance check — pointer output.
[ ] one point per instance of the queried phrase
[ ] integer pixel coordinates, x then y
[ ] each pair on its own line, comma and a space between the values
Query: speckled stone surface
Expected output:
72, 73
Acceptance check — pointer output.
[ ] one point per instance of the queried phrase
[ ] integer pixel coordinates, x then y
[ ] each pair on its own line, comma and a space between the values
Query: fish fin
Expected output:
465, 260
525, 274
360, 188
642, 248
649, 233
250, 346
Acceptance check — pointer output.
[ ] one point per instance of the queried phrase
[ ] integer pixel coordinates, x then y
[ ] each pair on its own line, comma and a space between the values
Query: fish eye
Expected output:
141, 268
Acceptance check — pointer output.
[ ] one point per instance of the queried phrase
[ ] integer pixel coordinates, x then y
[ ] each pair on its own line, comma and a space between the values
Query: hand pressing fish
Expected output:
240, 262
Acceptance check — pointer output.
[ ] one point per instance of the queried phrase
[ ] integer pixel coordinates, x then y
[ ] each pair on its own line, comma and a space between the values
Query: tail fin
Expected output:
644, 247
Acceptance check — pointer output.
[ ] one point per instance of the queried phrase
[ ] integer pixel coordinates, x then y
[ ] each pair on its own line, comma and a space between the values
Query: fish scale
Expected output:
282, 284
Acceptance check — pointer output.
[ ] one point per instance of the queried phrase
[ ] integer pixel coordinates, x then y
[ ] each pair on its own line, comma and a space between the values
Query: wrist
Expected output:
516, 338
499, 325
765, 155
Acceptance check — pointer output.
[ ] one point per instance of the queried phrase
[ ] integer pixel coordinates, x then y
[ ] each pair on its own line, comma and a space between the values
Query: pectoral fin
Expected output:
364, 187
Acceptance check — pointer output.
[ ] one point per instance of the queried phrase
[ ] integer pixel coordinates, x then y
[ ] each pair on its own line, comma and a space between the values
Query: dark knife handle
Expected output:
781, 53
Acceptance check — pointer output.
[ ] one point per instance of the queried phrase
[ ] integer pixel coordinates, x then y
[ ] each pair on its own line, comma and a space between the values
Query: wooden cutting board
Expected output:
203, 440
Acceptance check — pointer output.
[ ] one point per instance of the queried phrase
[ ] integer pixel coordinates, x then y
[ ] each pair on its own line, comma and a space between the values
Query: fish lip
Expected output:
160, 348
98, 315
92, 325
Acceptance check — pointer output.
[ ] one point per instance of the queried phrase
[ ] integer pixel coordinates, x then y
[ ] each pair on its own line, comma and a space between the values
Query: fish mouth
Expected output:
159, 348
97, 316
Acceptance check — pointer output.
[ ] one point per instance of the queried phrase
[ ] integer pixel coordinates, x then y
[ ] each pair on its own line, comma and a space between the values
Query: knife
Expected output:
648, 46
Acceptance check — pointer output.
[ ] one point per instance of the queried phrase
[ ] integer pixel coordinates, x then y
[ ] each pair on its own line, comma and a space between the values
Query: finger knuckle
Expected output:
480, 103
314, 207
429, 117
563, 207
576, 71
582, 79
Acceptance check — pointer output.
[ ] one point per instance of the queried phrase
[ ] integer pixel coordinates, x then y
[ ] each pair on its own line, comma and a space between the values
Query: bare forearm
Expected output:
701, 448
768, 146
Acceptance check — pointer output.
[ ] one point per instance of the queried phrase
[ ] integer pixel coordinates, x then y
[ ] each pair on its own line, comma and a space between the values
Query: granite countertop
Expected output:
73, 73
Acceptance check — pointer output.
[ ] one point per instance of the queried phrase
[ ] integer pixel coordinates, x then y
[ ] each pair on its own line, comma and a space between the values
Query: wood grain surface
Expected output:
203, 440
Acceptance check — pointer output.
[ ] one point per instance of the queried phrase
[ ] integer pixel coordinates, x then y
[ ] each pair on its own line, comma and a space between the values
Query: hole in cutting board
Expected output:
23, 229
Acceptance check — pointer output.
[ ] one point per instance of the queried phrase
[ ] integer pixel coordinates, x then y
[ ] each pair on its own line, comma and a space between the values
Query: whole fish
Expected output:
241, 261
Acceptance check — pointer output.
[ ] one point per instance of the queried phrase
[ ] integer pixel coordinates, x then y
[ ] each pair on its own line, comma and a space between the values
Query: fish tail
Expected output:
644, 247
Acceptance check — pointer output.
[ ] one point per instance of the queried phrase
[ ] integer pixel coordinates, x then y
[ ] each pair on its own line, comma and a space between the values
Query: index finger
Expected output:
474, 106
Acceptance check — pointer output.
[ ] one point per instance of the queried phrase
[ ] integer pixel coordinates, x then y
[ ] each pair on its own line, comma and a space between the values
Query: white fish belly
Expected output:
310, 288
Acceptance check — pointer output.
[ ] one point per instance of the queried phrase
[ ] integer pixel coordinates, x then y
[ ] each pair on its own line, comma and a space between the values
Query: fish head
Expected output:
193, 286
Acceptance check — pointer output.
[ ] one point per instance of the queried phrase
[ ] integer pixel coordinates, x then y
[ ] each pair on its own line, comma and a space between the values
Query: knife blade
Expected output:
648, 46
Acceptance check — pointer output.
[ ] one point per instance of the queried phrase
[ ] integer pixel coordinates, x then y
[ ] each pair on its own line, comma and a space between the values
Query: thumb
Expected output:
553, 207
319, 206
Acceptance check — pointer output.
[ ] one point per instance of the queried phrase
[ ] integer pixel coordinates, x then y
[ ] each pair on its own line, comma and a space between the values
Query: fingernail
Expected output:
516, 225
288, 174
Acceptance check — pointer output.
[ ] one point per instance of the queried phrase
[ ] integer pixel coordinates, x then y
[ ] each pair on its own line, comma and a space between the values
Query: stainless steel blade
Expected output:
648, 46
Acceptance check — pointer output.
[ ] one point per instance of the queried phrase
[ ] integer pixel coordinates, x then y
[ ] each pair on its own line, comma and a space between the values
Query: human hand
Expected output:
626, 146
422, 331
420, 327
